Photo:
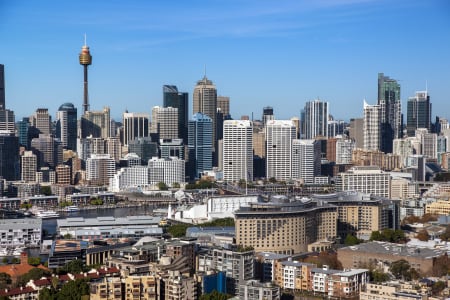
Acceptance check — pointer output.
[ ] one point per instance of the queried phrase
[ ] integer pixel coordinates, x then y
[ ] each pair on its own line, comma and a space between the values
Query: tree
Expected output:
33, 274
423, 235
388, 235
5, 280
378, 276
162, 186
47, 294
34, 261
176, 185
441, 266
351, 240
437, 288
96, 201
75, 266
215, 295
67, 236
177, 230
446, 235
400, 269
46, 190
73, 290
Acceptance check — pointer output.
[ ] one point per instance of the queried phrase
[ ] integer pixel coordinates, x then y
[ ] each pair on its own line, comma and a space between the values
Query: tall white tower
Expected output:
237, 150
372, 127
279, 136
305, 160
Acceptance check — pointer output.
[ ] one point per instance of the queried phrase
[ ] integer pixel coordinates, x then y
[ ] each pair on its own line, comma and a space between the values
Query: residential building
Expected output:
279, 137
314, 119
113, 147
237, 150
371, 127
179, 287
305, 160
141, 287
392, 291
356, 131
418, 113
28, 166
20, 232
63, 174
344, 150
100, 168
391, 111
255, 290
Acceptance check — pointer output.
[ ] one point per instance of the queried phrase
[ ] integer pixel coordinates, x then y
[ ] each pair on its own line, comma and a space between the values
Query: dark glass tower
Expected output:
200, 144
66, 126
391, 111
418, 113
2, 86
9, 156
173, 98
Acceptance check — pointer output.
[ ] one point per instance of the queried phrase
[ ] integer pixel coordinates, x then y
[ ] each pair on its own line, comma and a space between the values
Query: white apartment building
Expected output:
279, 137
406, 147
130, 178
372, 127
237, 150
305, 160
165, 122
28, 166
20, 232
100, 168
168, 170
365, 179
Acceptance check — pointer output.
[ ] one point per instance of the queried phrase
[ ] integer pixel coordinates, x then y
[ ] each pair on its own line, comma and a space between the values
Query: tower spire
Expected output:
85, 59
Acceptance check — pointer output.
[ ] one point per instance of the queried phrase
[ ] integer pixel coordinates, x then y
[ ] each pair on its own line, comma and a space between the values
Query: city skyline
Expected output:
331, 50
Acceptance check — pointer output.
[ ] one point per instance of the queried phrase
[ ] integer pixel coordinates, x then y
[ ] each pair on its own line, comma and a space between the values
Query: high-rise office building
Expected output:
428, 142
66, 126
356, 131
96, 123
173, 98
314, 119
135, 125
7, 120
2, 87
9, 156
144, 148
419, 113
279, 137
305, 160
267, 115
165, 122
23, 127
48, 150
335, 127
391, 111
42, 121
237, 150
28, 166
205, 102
371, 127
223, 104
200, 144
171, 148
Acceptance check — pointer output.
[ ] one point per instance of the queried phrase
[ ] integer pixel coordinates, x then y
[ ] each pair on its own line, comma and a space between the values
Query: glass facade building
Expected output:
418, 113
200, 130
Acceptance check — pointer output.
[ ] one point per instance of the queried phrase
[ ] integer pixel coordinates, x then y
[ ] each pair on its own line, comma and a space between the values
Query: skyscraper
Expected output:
179, 100
2, 87
237, 150
205, 102
305, 160
279, 136
267, 115
391, 111
42, 121
165, 122
28, 166
419, 112
96, 123
135, 125
9, 156
315, 119
100, 168
7, 120
200, 144
48, 150
66, 126
144, 148
372, 127
223, 104
22, 132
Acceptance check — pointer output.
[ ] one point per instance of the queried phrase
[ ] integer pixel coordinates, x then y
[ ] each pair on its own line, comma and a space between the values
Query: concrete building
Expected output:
135, 125
284, 228
144, 148
20, 232
179, 100
344, 150
130, 178
100, 168
356, 131
238, 150
140, 287
305, 160
172, 148
108, 289
178, 286
168, 170
165, 122
392, 291
225, 206
113, 148
237, 265
279, 137
96, 123
7, 120
42, 121
28, 166
255, 290
48, 150
370, 180
63, 174
372, 127
421, 259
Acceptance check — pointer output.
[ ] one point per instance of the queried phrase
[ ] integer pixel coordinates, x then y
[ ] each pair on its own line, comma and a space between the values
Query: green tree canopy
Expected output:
215, 295
401, 269
388, 235
73, 290
5, 280
351, 240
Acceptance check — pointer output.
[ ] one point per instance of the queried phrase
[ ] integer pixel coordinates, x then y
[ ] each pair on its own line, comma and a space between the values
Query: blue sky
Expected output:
259, 53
